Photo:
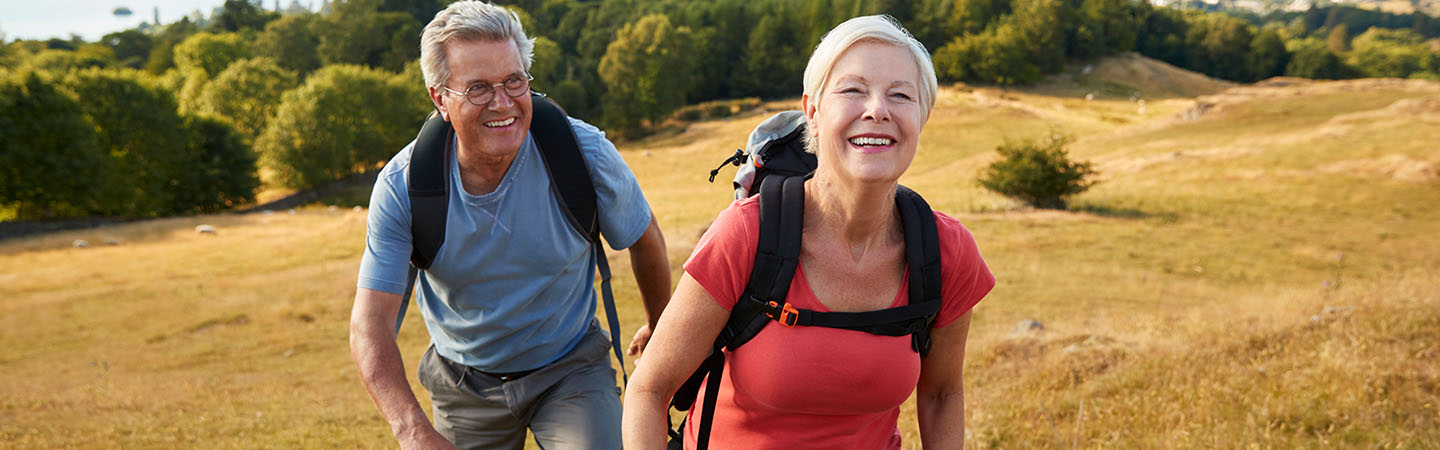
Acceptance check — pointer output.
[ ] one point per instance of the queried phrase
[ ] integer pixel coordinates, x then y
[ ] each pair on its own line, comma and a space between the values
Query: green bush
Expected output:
211, 52
1038, 173
342, 121
142, 132
50, 154
246, 94
221, 173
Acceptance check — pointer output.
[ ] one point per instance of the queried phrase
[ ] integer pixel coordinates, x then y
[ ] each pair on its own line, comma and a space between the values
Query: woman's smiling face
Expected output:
868, 118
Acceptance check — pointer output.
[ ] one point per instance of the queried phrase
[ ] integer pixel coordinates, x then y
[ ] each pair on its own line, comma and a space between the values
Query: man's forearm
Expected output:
651, 264
372, 345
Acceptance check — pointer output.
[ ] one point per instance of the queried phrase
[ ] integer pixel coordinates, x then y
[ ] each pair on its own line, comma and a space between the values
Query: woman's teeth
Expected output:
870, 141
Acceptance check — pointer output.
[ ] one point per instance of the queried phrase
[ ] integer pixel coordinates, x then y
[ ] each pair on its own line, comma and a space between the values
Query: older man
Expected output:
508, 301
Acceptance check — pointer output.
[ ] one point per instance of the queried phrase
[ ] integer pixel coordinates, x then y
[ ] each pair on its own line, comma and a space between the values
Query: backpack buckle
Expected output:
789, 315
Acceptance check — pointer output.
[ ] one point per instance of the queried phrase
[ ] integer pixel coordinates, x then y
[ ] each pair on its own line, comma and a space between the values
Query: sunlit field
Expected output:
1259, 267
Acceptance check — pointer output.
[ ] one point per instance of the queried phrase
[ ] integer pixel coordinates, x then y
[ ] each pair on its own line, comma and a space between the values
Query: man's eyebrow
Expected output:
473, 81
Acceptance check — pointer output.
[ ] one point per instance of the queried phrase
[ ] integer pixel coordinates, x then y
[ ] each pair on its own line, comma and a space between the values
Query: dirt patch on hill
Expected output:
1396, 167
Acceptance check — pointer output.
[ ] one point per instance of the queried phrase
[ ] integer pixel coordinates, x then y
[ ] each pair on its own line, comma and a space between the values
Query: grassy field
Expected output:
1258, 268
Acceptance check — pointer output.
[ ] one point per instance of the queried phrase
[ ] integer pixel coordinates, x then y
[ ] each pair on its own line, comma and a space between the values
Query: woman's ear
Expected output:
809, 111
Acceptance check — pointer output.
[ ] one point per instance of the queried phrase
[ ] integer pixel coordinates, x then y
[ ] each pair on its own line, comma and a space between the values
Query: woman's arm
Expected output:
681, 342
940, 396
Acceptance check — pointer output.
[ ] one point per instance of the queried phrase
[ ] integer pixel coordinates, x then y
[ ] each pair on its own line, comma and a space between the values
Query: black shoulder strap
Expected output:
777, 255
560, 151
922, 254
429, 189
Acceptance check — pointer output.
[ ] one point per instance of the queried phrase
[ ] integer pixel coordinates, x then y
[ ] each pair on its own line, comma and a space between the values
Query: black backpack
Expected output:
559, 151
776, 151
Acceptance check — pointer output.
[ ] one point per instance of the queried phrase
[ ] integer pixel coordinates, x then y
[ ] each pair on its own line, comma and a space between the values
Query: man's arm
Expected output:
372, 345
651, 264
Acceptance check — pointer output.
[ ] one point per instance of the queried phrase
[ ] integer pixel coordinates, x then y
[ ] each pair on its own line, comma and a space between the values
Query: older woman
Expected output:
869, 88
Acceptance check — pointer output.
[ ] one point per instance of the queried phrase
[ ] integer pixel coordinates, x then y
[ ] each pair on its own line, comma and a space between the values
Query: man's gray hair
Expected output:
466, 21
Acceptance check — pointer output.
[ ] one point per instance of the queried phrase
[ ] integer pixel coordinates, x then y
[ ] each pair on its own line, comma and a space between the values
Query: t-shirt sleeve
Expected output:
386, 262
723, 258
624, 213
966, 278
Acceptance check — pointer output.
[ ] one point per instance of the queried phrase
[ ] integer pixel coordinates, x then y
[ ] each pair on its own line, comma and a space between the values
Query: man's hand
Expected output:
642, 338
426, 439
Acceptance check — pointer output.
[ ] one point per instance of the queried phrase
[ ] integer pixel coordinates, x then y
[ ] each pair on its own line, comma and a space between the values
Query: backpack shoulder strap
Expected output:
560, 151
922, 255
777, 255
570, 177
429, 189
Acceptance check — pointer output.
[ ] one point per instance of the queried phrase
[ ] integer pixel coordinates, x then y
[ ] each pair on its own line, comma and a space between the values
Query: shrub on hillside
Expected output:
142, 131
50, 155
211, 52
222, 172
342, 121
246, 94
1039, 173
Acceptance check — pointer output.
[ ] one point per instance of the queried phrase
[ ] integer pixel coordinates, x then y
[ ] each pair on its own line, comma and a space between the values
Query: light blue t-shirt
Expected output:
512, 287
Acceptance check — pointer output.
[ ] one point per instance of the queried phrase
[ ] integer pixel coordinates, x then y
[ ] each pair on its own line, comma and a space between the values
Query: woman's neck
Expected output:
861, 217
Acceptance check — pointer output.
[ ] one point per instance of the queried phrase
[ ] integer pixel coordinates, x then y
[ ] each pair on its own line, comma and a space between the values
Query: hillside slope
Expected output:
1257, 268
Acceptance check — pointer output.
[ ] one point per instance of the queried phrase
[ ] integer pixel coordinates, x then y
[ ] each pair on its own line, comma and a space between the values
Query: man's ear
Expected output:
437, 97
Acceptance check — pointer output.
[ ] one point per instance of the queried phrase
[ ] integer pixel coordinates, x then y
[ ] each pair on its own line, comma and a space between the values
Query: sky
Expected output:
91, 19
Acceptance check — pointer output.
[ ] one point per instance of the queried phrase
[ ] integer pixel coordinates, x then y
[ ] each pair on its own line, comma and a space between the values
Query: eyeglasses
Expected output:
481, 94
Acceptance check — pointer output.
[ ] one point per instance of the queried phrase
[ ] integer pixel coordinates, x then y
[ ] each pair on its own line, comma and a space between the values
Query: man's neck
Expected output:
480, 173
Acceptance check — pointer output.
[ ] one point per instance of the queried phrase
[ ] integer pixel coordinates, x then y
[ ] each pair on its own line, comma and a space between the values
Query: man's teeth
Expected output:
870, 141
500, 123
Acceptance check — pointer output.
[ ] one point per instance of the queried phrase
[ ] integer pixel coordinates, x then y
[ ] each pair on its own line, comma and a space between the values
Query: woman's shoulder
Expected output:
950, 227
958, 249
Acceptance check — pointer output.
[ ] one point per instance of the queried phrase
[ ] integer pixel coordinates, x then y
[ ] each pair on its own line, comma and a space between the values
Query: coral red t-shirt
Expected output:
817, 387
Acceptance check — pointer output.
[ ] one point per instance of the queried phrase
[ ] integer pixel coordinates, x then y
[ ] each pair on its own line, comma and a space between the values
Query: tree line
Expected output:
194, 115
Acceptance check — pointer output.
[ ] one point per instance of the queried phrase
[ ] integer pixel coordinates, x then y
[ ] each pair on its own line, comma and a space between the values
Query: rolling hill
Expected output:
1257, 268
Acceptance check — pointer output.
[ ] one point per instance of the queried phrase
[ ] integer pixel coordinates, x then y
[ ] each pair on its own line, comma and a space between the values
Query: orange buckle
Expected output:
789, 315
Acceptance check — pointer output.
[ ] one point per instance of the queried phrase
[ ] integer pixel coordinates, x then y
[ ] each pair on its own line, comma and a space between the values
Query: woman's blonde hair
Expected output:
877, 28
465, 21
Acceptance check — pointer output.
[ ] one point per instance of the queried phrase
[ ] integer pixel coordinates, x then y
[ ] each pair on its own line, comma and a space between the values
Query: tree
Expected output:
1220, 44
1162, 36
131, 47
1339, 39
1311, 58
774, 57
999, 55
1267, 56
1118, 22
162, 55
1379, 52
222, 172
548, 65
246, 95
1040, 23
358, 33
1038, 173
645, 72
60, 61
210, 52
973, 16
143, 134
50, 156
236, 15
291, 43
343, 120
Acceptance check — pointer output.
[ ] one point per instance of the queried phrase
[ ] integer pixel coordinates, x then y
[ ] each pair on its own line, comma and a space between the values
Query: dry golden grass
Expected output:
1185, 297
